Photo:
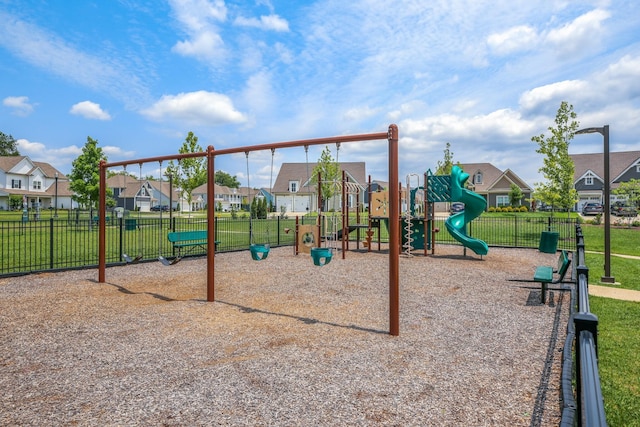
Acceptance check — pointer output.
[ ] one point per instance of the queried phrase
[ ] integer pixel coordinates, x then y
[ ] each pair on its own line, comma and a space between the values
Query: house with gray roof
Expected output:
294, 192
589, 174
495, 185
40, 185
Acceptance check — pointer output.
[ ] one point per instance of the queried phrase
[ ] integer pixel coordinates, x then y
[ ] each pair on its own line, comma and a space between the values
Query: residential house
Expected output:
589, 174
495, 185
134, 194
40, 185
226, 199
294, 192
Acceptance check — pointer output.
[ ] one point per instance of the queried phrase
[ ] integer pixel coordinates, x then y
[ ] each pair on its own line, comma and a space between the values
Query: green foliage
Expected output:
558, 169
84, 179
223, 178
515, 195
444, 167
631, 189
191, 172
329, 170
15, 202
8, 146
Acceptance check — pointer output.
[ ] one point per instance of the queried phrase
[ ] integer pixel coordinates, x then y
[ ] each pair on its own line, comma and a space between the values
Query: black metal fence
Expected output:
587, 407
72, 242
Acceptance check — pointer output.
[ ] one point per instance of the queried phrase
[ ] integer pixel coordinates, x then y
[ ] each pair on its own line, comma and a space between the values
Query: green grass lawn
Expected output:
618, 362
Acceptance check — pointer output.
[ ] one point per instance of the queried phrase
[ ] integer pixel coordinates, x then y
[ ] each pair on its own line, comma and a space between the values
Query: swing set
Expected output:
391, 135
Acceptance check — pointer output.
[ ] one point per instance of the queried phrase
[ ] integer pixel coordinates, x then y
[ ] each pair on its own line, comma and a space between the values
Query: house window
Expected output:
502, 200
293, 186
16, 183
588, 180
638, 168
37, 185
477, 178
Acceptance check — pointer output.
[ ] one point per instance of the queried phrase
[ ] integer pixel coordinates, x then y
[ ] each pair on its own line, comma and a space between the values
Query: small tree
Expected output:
630, 189
191, 172
15, 202
515, 196
444, 167
8, 145
329, 171
558, 168
84, 179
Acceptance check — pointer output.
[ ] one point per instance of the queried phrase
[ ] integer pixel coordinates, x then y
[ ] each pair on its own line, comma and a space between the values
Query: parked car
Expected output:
456, 207
592, 208
620, 209
158, 208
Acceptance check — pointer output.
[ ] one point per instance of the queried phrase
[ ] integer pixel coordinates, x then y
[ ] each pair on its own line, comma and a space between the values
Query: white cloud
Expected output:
20, 104
206, 44
266, 22
554, 93
199, 19
89, 110
580, 35
520, 38
61, 158
201, 108
357, 114
54, 55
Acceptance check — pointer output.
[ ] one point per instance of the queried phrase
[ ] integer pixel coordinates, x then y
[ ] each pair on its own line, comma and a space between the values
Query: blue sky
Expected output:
484, 76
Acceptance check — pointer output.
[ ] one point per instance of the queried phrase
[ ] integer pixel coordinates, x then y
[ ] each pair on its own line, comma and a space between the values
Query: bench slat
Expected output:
544, 273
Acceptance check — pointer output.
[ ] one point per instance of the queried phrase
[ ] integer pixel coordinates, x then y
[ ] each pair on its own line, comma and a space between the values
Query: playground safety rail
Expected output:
585, 407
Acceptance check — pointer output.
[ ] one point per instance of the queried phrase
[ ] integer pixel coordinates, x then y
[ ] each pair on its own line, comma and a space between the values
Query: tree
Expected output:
191, 172
8, 145
515, 195
329, 171
444, 167
84, 179
630, 189
223, 178
558, 168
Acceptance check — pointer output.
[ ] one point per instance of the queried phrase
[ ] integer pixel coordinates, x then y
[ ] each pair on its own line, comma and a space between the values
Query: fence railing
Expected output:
72, 242
587, 407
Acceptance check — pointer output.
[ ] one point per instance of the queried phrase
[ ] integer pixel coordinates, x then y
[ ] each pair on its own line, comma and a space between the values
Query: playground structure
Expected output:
335, 227
417, 222
394, 210
474, 205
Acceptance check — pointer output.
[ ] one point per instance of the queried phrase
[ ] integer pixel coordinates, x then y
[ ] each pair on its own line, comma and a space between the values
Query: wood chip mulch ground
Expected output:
285, 344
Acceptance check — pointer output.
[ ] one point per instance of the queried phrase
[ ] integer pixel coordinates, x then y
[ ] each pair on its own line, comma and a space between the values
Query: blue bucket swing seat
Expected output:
321, 256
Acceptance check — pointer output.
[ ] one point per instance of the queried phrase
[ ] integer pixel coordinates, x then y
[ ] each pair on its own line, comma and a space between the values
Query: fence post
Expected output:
583, 322
121, 237
51, 239
278, 229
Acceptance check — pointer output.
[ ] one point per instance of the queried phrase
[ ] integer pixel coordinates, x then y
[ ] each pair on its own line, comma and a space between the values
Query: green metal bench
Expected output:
185, 241
544, 274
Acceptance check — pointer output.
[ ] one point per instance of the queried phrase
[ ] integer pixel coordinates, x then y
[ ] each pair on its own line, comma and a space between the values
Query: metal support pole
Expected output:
394, 234
102, 223
211, 227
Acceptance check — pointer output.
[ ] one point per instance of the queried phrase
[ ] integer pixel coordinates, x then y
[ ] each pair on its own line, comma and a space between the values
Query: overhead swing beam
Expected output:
394, 209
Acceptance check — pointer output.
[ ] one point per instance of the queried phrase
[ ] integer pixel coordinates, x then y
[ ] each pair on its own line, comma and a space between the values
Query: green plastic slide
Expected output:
474, 205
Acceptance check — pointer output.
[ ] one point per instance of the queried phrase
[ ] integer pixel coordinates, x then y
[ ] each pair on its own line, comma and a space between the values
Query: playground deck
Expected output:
286, 343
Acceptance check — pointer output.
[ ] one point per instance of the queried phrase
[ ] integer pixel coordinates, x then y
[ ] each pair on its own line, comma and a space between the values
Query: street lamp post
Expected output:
55, 215
604, 131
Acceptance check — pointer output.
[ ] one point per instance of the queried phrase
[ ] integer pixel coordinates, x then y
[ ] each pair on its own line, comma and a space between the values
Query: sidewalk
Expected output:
612, 292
